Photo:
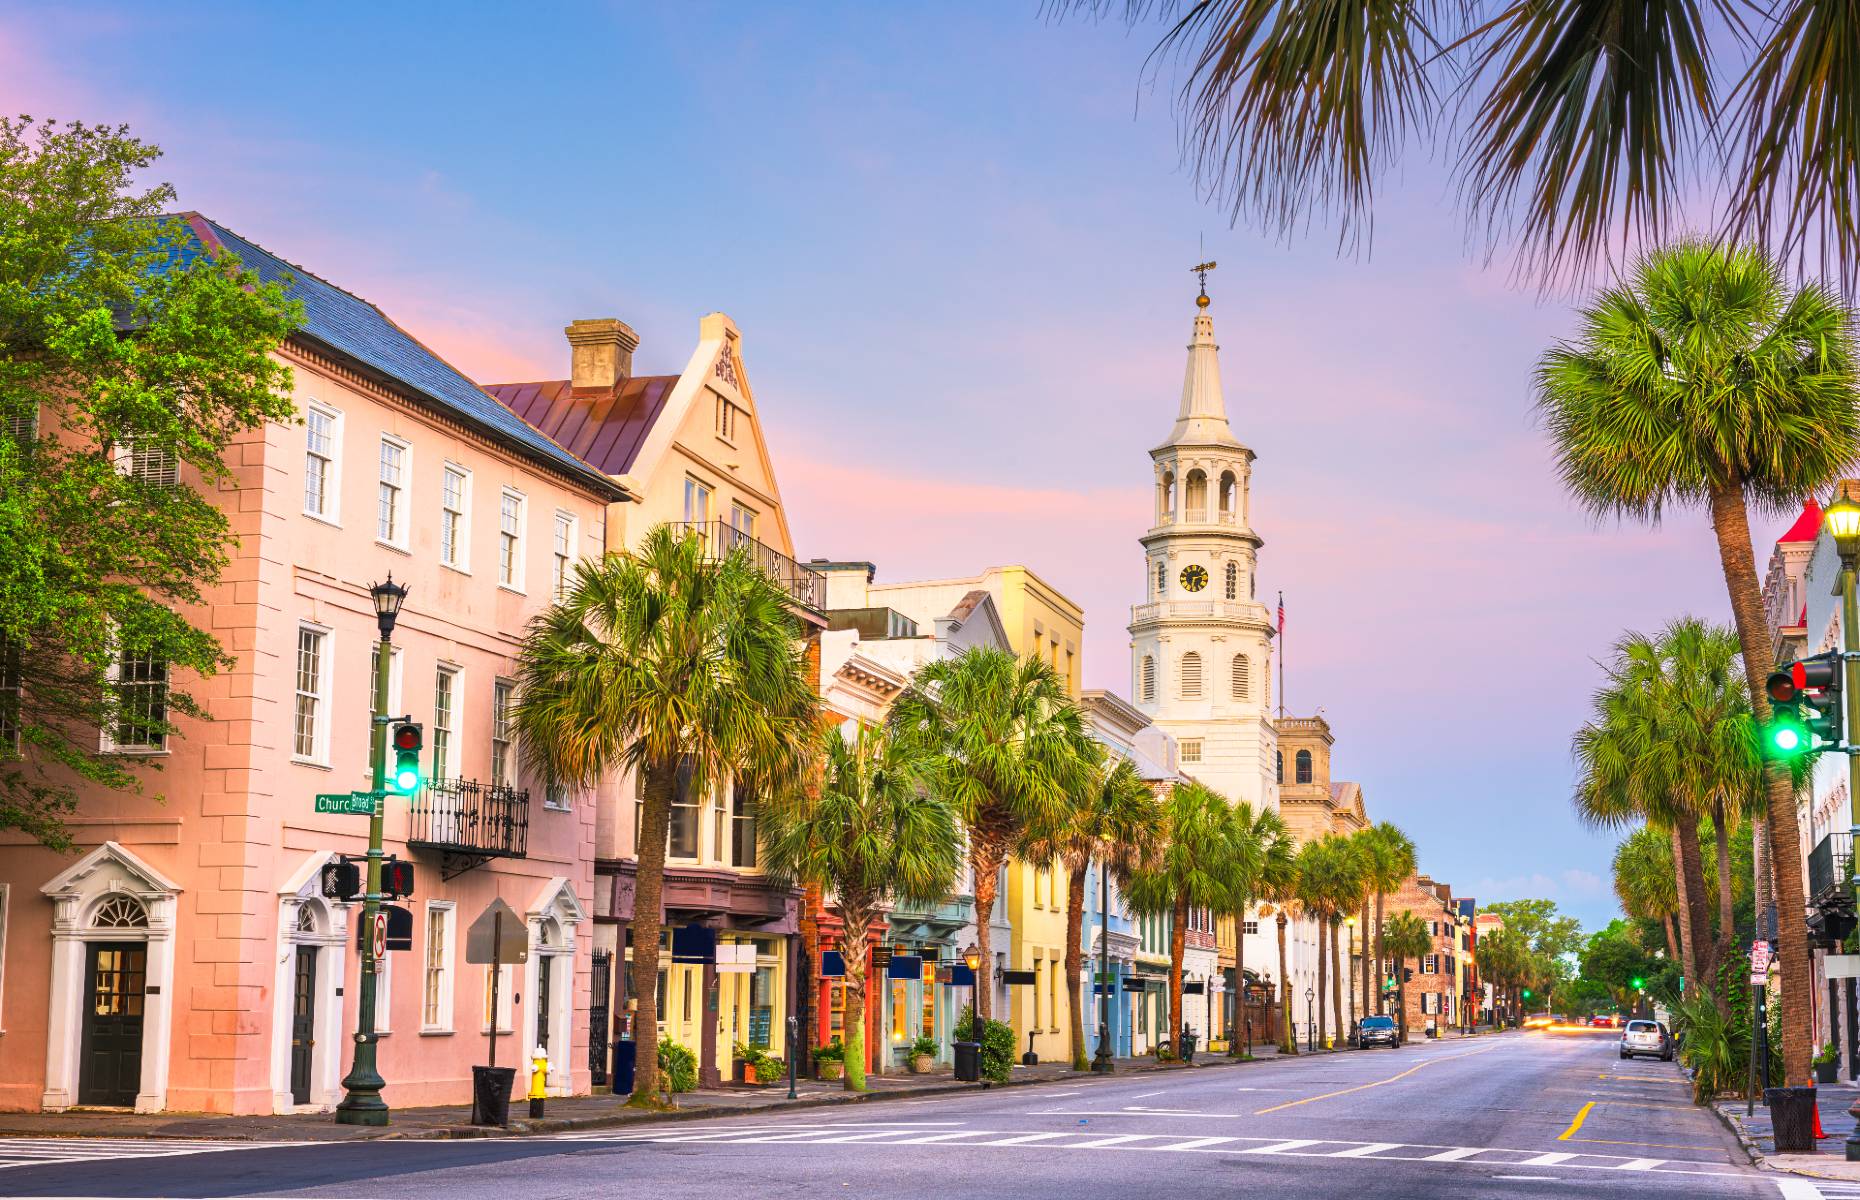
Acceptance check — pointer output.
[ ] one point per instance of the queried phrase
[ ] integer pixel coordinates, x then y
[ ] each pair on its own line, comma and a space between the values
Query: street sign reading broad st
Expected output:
358, 804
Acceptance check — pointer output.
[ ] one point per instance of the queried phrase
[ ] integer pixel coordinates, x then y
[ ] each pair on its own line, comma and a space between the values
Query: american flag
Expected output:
1281, 614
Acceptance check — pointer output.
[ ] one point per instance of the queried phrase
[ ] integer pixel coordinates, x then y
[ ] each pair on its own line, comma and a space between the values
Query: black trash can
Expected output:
490, 1094
1792, 1116
1188, 1045
626, 1059
968, 1061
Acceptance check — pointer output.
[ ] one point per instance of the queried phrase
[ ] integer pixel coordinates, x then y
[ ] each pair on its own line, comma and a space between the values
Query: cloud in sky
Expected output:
957, 245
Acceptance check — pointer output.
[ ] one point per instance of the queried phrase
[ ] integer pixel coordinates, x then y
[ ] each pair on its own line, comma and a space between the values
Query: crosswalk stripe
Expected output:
1023, 1138
1545, 1160
1198, 1143
950, 1136
1365, 1150
1282, 1147
1456, 1154
1640, 1164
1116, 1139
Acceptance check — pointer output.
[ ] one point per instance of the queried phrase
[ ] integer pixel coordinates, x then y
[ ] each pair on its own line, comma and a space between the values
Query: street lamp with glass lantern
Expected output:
1101, 1063
362, 1105
1310, 1018
1842, 518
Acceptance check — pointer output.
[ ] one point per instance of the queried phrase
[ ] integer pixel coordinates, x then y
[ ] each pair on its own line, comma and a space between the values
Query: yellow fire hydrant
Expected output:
539, 1075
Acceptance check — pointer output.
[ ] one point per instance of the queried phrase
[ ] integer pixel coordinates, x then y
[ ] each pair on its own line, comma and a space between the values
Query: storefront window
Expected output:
929, 1015
836, 1018
762, 1006
900, 1012
684, 831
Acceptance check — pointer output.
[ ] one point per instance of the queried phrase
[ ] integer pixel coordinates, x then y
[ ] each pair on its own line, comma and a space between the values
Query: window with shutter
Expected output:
1233, 581
1243, 677
157, 466
1191, 676
1148, 685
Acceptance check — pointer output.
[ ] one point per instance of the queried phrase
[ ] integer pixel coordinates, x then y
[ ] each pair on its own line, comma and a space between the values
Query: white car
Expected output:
1646, 1037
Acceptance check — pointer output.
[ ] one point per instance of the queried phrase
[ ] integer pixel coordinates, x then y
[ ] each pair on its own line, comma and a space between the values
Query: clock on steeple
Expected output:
1194, 577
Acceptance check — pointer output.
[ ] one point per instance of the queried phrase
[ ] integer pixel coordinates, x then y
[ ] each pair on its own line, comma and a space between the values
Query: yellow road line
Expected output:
1363, 1087
1582, 1115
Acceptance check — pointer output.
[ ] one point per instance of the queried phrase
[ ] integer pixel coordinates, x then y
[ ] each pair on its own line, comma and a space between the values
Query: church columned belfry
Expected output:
1201, 641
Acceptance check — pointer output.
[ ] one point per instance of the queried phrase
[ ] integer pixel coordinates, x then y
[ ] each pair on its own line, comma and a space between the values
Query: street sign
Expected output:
497, 936
399, 928
736, 958
357, 804
1759, 961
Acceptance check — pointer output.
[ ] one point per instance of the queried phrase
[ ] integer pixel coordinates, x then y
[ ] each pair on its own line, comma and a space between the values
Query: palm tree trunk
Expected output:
1700, 915
1075, 937
1178, 945
1287, 1041
1338, 959
657, 781
985, 863
1731, 523
1688, 947
1727, 920
1401, 997
1238, 1044
1367, 1001
855, 922
1380, 957
1321, 981
1672, 946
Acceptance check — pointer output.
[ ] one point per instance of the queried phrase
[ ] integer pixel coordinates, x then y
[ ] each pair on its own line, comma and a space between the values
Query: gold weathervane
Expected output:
1202, 270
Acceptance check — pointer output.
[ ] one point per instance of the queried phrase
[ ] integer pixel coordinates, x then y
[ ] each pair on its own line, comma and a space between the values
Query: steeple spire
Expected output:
1203, 416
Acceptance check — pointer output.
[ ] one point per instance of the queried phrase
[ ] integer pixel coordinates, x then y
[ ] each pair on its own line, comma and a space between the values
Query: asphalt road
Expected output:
1521, 1115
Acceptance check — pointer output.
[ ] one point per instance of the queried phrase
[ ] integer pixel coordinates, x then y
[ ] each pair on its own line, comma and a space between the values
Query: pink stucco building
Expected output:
185, 958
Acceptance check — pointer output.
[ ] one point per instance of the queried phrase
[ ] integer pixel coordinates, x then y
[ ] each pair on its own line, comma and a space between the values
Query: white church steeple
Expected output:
1202, 419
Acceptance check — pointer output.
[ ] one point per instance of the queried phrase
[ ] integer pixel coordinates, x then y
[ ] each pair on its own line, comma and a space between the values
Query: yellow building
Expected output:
1041, 622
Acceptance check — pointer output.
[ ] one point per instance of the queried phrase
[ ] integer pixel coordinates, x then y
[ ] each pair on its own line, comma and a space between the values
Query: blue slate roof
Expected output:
357, 330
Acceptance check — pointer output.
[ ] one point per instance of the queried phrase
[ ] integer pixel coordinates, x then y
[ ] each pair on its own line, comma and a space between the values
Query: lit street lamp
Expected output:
1310, 1019
1842, 517
362, 1105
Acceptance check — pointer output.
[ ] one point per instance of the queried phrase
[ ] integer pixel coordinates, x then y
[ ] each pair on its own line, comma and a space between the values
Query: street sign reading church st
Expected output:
358, 804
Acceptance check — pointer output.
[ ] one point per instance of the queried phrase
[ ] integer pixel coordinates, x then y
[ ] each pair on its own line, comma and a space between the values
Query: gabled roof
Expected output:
355, 331
605, 428
1807, 527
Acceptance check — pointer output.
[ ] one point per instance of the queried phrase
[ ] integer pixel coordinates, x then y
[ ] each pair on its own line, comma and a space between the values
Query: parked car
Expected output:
1379, 1031
1648, 1038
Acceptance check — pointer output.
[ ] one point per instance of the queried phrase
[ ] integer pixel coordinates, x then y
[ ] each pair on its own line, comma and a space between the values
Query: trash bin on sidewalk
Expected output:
626, 1060
1792, 1118
490, 1095
1188, 1044
968, 1061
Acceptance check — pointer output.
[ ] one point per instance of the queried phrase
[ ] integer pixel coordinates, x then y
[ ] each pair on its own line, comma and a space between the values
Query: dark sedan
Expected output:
1379, 1031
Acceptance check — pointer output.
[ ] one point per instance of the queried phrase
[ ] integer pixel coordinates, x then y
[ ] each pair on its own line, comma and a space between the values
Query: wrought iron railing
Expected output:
464, 816
1828, 865
806, 585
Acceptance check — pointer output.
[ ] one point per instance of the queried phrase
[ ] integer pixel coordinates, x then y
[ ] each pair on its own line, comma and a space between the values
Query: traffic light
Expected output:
342, 880
1805, 706
409, 738
397, 878
1527, 993
1637, 983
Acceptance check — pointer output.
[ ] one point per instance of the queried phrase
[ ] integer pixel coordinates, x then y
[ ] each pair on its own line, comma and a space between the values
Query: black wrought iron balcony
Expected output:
469, 823
806, 585
1828, 867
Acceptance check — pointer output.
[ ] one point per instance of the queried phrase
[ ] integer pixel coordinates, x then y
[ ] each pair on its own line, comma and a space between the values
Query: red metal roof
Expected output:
1807, 527
605, 429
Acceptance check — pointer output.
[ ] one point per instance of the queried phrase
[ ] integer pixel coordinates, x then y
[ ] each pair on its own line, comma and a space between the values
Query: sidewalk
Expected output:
563, 1113
1829, 1160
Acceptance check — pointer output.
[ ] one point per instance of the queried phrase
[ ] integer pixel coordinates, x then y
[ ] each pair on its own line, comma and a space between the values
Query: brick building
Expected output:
1438, 994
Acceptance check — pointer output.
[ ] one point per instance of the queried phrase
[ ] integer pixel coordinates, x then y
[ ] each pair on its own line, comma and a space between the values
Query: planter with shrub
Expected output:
677, 1067
923, 1055
757, 1066
830, 1061
1827, 1064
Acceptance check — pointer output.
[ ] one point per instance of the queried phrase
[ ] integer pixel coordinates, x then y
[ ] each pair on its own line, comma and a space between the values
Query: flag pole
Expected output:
1281, 656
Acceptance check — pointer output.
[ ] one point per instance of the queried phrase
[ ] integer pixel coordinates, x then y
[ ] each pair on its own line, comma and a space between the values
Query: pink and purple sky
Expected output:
957, 245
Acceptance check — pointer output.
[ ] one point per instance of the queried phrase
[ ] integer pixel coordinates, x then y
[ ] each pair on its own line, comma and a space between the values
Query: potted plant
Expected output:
830, 1060
1827, 1064
923, 1055
769, 1069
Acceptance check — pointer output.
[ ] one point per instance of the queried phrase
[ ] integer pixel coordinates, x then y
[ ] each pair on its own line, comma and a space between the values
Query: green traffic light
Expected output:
1527, 993
1636, 982
1787, 737
407, 779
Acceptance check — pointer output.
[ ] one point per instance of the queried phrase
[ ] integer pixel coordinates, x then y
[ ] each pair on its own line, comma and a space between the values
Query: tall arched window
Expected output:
1195, 501
1233, 581
1191, 676
1302, 765
1243, 678
1166, 500
1230, 494
1280, 756
1146, 685
1162, 578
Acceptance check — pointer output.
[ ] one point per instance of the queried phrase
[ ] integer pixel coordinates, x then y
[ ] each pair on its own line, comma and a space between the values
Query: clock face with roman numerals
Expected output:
1194, 577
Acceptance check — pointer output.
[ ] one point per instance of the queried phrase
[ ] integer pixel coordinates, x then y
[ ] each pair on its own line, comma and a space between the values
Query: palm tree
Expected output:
1005, 739
1582, 125
666, 662
1349, 892
1405, 936
1260, 848
1703, 379
870, 835
1645, 881
1114, 823
1188, 871
1391, 861
1278, 887
1320, 867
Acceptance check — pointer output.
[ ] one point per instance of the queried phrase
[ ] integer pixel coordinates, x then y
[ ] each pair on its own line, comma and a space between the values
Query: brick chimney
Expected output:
600, 353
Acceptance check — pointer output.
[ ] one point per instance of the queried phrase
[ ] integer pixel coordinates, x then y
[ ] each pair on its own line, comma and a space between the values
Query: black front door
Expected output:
542, 1000
110, 1069
303, 1023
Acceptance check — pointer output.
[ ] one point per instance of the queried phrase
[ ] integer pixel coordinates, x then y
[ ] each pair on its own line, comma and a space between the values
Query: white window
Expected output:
1233, 581
455, 517
507, 981
142, 705
1146, 685
375, 701
445, 704
1162, 577
743, 520
436, 990
22, 425
1191, 750
510, 540
309, 732
503, 756
1243, 677
322, 438
1252, 926
562, 565
391, 507
697, 501
1191, 676
682, 837
157, 466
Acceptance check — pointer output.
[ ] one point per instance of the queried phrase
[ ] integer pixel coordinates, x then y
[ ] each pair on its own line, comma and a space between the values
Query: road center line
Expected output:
1363, 1087
1582, 1114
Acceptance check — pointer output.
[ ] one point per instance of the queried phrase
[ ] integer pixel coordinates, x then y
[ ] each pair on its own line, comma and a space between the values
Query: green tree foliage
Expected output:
1613, 958
125, 375
1190, 871
1261, 853
1406, 937
1705, 379
678, 667
1541, 928
1390, 860
868, 836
